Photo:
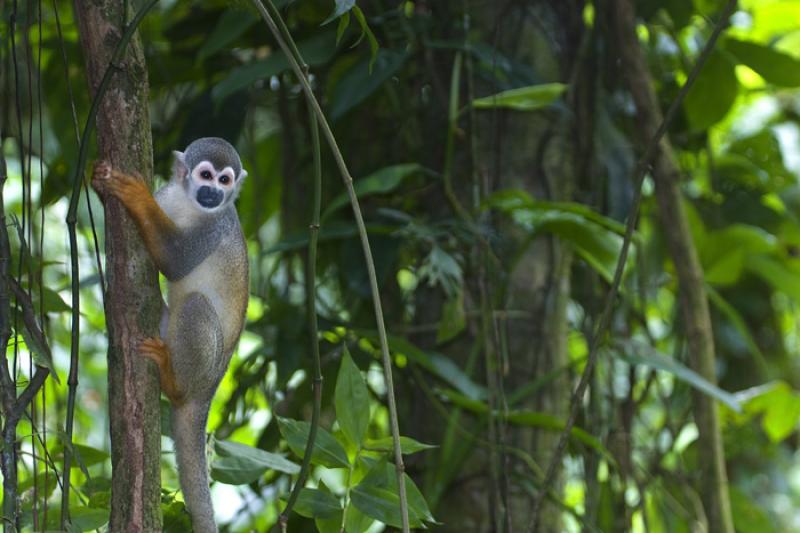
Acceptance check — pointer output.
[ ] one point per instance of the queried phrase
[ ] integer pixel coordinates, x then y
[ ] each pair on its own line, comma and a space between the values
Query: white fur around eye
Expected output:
202, 167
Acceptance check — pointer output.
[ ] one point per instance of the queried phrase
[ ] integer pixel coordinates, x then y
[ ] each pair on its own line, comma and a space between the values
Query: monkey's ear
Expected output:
242, 176
179, 168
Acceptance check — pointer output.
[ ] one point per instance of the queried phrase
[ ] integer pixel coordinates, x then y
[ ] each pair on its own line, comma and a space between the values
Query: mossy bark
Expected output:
133, 299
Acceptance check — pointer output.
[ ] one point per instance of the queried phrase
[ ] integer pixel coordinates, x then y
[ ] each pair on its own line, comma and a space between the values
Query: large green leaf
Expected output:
316, 50
777, 403
723, 251
240, 464
776, 67
358, 83
230, 26
376, 496
87, 518
713, 93
327, 450
641, 353
351, 399
314, 503
529, 98
382, 181
436, 363
782, 275
524, 417
597, 239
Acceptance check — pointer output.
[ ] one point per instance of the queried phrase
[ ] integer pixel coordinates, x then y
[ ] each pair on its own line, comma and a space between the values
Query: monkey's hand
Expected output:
106, 180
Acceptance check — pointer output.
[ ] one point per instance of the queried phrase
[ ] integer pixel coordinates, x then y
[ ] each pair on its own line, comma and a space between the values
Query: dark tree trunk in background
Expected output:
541, 153
133, 300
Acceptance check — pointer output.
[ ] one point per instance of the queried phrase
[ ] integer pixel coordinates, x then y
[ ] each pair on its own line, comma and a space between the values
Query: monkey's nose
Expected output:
209, 196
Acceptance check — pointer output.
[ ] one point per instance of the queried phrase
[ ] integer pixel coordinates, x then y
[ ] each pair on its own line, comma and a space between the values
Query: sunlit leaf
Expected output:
352, 400
713, 92
407, 445
529, 98
774, 66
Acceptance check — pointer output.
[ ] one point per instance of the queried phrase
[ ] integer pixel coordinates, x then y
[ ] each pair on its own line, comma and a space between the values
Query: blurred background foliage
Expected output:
495, 222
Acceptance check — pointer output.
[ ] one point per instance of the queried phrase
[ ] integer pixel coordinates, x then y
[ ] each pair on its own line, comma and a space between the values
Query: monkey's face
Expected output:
210, 187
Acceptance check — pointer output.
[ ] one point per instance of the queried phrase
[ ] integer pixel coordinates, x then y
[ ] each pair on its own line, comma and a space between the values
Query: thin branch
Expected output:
370, 263
641, 170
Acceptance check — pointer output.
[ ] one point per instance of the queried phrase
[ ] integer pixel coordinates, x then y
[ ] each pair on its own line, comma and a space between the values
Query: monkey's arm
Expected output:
157, 229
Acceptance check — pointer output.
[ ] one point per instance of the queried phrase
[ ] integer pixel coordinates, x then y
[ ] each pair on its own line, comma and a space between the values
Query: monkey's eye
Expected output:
206, 175
224, 179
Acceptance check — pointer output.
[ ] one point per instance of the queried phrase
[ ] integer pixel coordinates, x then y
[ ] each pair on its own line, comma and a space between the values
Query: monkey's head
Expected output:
211, 173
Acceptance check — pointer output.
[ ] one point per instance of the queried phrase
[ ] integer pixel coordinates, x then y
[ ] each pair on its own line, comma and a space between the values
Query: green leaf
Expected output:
344, 22
316, 50
40, 350
230, 26
327, 450
352, 400
747, 515
407, 445
240, 464
382, 181
723, 252
314, 503
365, 30
713, 92
525, 417
640, 353
778, 403
361, 80
341, 8
376, 496
453, 319
596, 239
53, 303
356, 521
87, 518
783, 276
529, 98
776, 67
83, 456
739, 324
436, 363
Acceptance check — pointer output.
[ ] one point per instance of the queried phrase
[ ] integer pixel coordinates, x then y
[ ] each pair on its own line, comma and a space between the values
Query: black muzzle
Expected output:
209, 196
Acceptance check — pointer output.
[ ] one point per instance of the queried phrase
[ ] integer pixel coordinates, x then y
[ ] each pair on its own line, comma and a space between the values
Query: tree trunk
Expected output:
133, 299
694, 304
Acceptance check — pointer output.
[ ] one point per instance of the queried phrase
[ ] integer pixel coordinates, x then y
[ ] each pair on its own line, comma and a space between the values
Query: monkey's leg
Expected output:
156, 228
154, 349
196, 344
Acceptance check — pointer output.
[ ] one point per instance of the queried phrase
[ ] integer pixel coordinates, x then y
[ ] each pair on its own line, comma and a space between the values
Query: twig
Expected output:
72, 218
370, 263
605, 318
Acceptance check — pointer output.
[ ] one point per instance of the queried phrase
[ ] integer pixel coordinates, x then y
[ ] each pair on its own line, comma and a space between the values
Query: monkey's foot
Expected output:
101, 174
154, 349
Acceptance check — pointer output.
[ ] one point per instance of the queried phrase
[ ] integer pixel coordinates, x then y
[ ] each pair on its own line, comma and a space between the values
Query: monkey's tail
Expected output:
189, 433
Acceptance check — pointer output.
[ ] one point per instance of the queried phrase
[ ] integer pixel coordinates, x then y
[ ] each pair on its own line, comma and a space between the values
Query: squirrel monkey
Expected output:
192, 232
